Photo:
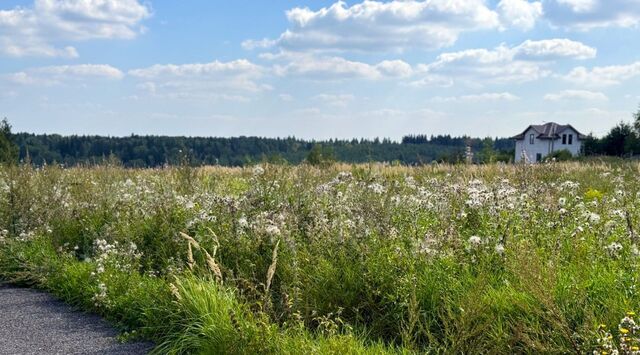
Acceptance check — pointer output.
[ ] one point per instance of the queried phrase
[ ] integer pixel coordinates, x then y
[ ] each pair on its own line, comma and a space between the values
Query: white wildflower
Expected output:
614, 249
377, 188
593, 217
475, 240
272, 230
258, 170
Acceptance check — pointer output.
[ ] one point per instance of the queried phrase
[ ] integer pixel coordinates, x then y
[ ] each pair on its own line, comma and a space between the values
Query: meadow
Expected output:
339, 259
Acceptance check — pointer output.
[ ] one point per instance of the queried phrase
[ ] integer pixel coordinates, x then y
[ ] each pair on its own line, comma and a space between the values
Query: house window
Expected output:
531, 139
571, 139
538, 157
564, 139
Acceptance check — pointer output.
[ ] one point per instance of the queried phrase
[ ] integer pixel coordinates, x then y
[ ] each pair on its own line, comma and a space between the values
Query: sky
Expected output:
317, 69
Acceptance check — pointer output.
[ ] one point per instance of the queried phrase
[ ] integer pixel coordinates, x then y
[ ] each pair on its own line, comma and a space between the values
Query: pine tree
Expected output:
8, 149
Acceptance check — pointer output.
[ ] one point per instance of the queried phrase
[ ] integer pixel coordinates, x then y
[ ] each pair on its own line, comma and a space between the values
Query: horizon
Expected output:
317, 70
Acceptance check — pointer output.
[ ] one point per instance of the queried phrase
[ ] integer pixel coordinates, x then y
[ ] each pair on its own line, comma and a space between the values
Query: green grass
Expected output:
380, 260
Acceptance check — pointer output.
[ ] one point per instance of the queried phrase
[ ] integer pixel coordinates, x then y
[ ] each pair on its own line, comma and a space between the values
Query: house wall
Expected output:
545, 146
573, 148
541, 146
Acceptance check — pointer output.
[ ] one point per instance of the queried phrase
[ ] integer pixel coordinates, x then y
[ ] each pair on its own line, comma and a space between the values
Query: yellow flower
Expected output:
635, 348
624, 330
631, 313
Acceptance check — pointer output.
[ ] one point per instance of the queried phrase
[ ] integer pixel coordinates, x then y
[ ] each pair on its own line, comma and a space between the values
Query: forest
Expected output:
152, 151
623, 140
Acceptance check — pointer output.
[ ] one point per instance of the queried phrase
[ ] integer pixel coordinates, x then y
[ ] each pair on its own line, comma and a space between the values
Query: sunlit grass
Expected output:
339, 259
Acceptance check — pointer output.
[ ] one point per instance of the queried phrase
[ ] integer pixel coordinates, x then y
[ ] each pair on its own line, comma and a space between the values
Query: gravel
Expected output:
33, 322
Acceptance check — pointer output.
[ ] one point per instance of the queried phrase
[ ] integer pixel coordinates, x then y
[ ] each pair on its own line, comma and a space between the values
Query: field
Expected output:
343, 259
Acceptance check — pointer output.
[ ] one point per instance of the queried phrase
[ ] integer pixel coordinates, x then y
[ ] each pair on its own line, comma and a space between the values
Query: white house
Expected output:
538, 141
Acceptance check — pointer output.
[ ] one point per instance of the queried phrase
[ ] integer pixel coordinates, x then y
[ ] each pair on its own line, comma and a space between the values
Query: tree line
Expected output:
153, 151
623, 140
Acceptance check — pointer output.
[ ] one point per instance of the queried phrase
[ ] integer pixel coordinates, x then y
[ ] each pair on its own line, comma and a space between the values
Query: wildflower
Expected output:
258, 170
242, 222
593, 217
614, 249
377, 188
272, 230
500, 249
475, 240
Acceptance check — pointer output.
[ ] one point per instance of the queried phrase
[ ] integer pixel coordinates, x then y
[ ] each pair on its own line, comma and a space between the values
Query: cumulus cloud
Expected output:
484, 66
520, 14
603, 76
576, 95
588, 14
251, 44
38, 30
335, 68
483, 97
528, 61
552, 49
373, 26
337, 100
202, 80
394, 68
431, 80
578, 5
241, 67
286, 97
65, 74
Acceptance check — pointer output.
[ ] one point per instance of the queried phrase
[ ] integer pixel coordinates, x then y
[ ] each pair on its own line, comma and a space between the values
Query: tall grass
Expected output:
344, 259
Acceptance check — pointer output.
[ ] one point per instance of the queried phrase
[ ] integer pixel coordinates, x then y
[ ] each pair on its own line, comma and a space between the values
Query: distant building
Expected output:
538, 141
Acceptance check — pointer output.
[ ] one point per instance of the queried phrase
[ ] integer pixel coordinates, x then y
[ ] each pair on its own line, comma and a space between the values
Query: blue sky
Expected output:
317, 69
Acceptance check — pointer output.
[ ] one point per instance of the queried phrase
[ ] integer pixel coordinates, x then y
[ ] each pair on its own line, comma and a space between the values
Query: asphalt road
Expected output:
33, 322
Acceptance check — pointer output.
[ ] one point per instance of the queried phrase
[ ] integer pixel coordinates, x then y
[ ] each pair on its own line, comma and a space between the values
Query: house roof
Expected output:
549, 130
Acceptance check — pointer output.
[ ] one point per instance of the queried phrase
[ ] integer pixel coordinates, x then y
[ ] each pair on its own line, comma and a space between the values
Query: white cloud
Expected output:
37, 30
520, 14
588, 14
394, 68
373, 26
63, 74
237, 67
556, 48
576, 95
484, 97
480, 66
528, 61
578, 5
336, 68
202, 80
327, 68
286, 97
253, 44
337, 100
603, 76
